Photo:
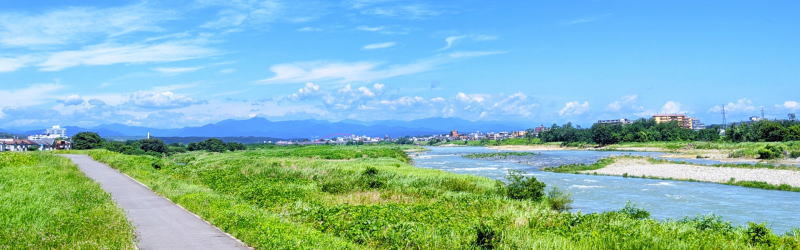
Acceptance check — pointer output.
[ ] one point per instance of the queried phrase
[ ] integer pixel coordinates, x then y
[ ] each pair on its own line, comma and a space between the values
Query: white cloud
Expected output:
370, 28
461, 96
741, 105
672, 107
29, 96
619, 104
379, 45
107, 54
176, 70
309, 29
72, 100
451, 41
319, 71
414, 11
66, 25
574, 108
237, 13
8, 64
156, 99
791, 105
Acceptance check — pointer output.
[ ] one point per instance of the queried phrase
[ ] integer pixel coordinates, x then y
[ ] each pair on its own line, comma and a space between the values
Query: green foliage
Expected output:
522, 187
634, 212
559, 200
770, 152
794, 154
759, 234
605, 134
486, 237
498, 155
576, 168
211, 145
47, 203
86, 140
711, 222
642, 130
153, 145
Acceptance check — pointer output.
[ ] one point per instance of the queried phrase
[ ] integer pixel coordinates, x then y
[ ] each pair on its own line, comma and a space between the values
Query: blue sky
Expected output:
192, 62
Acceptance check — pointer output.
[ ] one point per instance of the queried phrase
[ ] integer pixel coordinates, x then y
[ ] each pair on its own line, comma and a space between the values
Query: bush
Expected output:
523, 187
795, 154
634, 212
371, 179
759, 234
770, 152
558, 199
487, 237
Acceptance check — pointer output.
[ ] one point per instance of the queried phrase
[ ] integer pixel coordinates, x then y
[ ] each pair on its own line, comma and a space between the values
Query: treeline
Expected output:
152, 146
647, 130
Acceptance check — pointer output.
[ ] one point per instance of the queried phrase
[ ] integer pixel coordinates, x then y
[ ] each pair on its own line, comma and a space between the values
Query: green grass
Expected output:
736, 149
290, 198
498, 155
47, 203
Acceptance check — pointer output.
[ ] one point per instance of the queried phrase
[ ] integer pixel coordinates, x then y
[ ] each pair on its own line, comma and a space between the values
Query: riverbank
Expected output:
780, 179
718, 151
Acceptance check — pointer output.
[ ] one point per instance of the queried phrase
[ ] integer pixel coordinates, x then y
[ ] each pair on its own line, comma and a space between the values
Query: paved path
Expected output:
159, 223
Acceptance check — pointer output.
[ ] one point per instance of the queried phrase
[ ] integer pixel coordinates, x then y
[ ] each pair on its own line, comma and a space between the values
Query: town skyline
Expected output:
197, 62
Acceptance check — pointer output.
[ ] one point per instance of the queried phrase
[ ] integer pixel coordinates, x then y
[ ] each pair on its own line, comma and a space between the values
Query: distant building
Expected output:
683, 120
697, 125
54, 132
454, 133
622, 121
755, 118
16, 144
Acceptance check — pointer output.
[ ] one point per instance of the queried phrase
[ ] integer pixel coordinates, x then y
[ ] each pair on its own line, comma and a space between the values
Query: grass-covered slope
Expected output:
331, 197
47, 203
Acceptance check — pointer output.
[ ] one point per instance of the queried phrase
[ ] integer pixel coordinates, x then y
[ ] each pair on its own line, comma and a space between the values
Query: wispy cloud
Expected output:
741, 105
109, 53
176, 70
360, 71
394, 9
9, 64
379, 45
68, 25
451, 41
585, 19
622, 102
30, 96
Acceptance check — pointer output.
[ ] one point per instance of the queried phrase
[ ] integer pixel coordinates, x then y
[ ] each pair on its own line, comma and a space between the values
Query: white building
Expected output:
54, 132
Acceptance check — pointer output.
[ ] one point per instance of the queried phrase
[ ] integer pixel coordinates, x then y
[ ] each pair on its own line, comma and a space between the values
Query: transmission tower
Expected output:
762, 112
724, 121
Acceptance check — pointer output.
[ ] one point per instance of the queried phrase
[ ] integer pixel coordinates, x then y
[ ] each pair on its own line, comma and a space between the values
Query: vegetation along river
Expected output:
664, 199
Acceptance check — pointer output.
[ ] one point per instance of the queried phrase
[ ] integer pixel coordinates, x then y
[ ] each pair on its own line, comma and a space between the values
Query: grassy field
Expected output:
327, 197
47, 203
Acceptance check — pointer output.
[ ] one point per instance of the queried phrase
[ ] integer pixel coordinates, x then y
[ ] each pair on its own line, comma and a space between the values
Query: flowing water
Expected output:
663, 199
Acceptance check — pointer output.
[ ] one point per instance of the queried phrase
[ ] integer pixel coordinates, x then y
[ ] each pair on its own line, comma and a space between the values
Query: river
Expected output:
663, 199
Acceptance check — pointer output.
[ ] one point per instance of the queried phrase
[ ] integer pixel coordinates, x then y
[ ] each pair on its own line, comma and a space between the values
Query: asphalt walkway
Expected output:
159, 223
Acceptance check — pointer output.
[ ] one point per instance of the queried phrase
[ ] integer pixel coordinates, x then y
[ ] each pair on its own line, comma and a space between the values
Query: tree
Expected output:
213, 145
233, 146
603, 134
153, 145
86, 140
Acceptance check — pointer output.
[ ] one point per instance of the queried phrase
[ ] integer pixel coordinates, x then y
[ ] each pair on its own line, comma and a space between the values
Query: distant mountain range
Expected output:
260, 127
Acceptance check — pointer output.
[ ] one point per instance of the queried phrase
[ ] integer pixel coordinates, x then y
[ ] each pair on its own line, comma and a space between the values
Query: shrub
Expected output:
709, 223
770, 152
371, 179
558, 199
486, 237
634, 212
759, 234
795, 154
523, 187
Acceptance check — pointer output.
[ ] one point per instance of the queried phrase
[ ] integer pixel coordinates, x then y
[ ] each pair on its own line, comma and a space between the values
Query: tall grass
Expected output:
47, 203
292, 198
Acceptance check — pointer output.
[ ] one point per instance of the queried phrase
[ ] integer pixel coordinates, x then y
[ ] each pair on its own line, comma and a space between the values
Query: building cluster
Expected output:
682, 120
54, 138
474, 136
339, 140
